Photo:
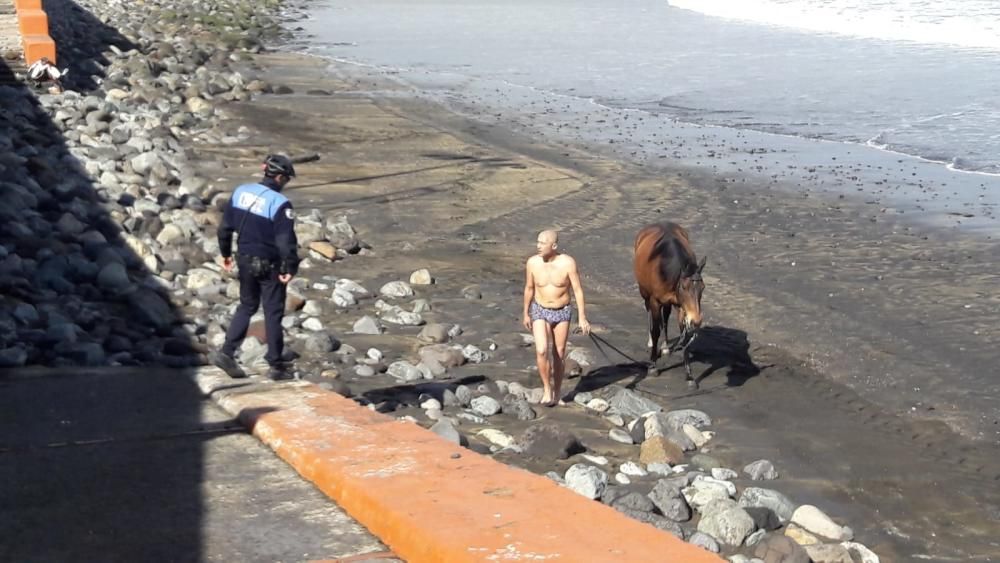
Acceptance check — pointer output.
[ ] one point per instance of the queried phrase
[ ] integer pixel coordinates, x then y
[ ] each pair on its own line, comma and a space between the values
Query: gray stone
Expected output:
860, 552
586, 480
313, 324
421, 277
434, 332
321, 343
464, 395
656, 521
660, 469
582, 356
780, 505
816, 521
447, 430
396, 289
367, 325
730, 524
364, 371
705, 462
695, 418
633, 469
724, 474
114, 277
149, 308
446, 356
313, 308
522, 410
485, 406
549, 441
761, 470
422, 306
776, 548
700, 493
472, 292
343, 298
352, 287
474, 354
634, 501
704, 541
667, 497
14, 356
628, 403
399, 316
828, 553
619, 435
430, 403
405, 371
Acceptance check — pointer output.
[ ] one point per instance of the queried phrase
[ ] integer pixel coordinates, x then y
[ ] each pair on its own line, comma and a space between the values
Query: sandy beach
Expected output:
846, 346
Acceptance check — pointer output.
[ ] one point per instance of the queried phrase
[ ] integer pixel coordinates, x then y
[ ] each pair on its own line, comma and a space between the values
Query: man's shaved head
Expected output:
549, 235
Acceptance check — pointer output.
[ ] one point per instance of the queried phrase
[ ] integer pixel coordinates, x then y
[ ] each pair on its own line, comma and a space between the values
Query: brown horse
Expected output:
669, 277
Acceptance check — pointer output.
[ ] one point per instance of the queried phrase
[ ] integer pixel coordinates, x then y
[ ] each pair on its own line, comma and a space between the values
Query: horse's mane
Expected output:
676, 257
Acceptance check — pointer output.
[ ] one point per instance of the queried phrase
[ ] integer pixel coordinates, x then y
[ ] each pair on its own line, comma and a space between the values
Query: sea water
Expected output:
895, 101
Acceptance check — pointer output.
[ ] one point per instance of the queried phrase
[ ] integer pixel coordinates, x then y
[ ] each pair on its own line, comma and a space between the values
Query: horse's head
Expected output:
689, 292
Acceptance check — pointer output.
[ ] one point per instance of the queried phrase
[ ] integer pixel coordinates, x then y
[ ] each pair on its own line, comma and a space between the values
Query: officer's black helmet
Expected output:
278, 165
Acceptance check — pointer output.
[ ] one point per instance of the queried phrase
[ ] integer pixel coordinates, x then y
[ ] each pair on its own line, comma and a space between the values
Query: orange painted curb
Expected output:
33, 24
38, 46
430, 500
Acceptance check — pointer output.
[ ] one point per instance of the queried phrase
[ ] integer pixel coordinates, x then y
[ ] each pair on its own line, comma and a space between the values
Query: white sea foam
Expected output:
963, 23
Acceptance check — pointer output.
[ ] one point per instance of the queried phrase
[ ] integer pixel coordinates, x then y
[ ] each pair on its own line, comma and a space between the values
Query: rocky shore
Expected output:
109, 257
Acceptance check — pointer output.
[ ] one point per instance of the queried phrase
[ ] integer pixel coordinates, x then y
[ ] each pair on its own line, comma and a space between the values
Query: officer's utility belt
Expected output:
257, 266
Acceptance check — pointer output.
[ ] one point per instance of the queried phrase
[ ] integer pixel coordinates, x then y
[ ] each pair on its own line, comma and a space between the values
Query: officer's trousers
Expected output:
258, 286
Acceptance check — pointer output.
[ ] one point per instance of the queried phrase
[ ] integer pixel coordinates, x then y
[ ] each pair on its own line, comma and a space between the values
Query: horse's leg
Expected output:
665, 313
687, 362
654, 336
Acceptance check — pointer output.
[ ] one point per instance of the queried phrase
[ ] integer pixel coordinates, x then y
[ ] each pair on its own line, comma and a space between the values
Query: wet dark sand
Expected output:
840, 348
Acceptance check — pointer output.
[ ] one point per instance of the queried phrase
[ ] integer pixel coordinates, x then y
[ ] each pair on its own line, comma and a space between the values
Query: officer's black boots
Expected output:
227, 364
279, 372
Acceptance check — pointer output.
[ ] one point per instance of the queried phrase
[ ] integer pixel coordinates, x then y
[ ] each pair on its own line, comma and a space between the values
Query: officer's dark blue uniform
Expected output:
266, 249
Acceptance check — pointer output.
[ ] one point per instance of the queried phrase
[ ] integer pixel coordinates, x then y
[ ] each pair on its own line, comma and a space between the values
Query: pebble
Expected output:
586, 480
761, 470
485, 406
367, 325
622, 479
598, 459
619, 435
632, 469
421, 277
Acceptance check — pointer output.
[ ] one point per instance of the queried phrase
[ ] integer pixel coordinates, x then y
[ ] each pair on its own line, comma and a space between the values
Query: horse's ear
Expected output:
701, 263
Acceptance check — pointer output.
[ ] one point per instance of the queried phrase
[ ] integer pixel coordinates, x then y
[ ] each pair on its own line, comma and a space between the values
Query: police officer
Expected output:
266, 261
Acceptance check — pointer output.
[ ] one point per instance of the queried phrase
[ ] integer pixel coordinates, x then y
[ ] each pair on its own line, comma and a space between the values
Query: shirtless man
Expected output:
547, 310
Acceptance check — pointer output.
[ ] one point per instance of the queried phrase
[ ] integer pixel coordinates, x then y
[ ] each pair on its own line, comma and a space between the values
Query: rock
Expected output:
761, 470
472, 292
430, 404
700, 493
442, 354
198, 278
447, 430
633, 469
422, 306
628, 403
313, 308
767, 499
474, 354
753, 539
522, 410
405, 371
738, 558
654, 520
485, 406
695, 418
313, 324
374, 354
730, 488
396, 289
323, 249
549, 441
352, 287
586, 480
343, 298
12, 357
724, 474
464, 395
619, 435
860, 553
582, 356
421, 277
367, 325
321, 343
633, 501
815, 521
730, 525
774, 548
697, 436
828, 553
364, 371
497, 437
704, 541
596, 459
598, 405
622, 479
660, 450
396, 315
667, 497
435, 333
149, 308
113, 277
705, 462
657, 424
660, 469
801, 536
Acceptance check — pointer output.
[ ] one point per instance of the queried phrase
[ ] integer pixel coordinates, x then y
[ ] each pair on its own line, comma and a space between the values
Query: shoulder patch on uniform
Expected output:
290, 214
